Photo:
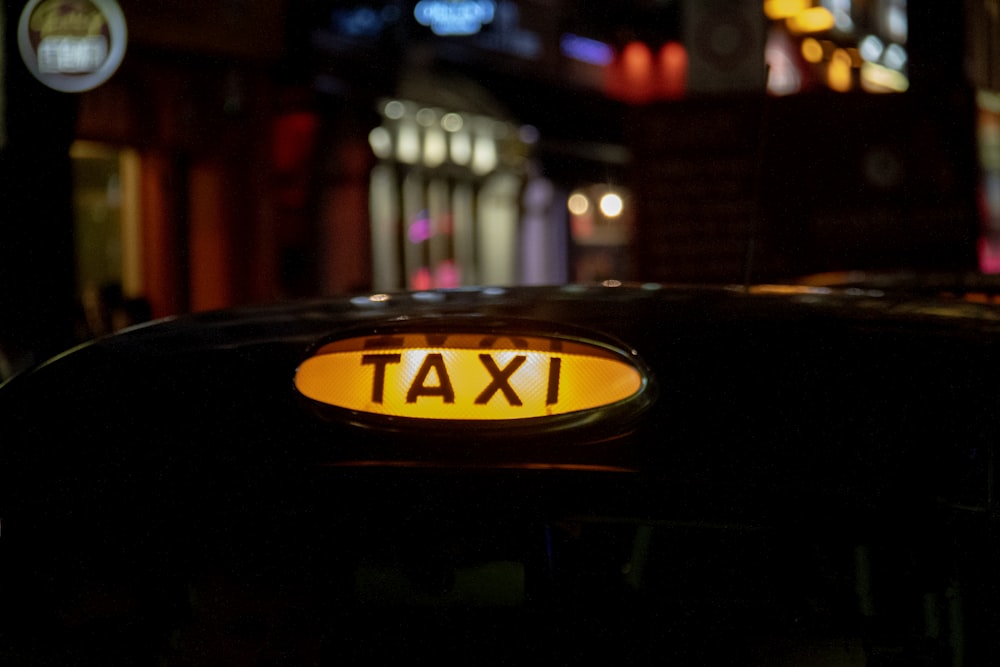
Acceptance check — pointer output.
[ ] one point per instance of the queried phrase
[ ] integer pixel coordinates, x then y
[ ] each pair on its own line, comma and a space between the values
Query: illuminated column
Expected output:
408, 147
484, 148
497, 229
435, 141
384, 207
460, 145
463, 227
417, 231
543, 248
439, 236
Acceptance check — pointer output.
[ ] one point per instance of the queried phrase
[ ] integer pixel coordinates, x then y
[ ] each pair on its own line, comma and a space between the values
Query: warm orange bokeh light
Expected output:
637, 61
637, 76
673, 61
838, 72
636, 72
812, 50
782, 9
814, 19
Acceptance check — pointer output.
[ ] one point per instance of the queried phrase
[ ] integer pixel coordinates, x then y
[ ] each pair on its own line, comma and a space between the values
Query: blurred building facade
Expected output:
247, 151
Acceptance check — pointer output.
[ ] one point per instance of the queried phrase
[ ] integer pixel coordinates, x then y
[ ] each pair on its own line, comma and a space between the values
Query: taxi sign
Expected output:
469, 376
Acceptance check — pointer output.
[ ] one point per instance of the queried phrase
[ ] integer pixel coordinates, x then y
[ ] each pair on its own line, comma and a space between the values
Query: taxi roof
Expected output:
780, 420
765, 379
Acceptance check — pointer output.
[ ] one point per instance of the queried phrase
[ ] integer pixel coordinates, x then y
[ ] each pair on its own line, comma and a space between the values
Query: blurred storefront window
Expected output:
3, 84
989, 160
982, 65
107, 237
445, 198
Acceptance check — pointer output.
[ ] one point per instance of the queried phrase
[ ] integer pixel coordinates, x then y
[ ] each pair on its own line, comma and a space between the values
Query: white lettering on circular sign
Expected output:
72, 45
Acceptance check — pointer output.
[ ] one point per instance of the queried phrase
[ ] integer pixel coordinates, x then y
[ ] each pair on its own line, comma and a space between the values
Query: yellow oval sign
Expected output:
467, 376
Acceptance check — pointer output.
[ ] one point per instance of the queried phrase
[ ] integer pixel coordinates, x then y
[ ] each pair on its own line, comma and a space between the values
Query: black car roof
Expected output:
809, 425
741, 374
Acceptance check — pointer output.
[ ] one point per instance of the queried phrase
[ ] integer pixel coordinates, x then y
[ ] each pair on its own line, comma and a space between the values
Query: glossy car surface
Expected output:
804, 477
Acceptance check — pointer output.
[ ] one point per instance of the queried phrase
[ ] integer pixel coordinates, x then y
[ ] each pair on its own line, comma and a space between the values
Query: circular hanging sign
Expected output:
72, 45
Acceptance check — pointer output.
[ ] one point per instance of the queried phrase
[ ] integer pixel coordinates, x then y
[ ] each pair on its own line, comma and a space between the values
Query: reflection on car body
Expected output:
781, 475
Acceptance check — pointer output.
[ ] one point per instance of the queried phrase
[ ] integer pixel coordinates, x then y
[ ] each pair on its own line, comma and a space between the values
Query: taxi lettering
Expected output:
432, 379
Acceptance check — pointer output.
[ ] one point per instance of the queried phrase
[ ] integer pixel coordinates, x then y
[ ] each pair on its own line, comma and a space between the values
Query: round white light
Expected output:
895, 57
612, 205
578, 204
871, 48
452, 122
426, 117
394, 109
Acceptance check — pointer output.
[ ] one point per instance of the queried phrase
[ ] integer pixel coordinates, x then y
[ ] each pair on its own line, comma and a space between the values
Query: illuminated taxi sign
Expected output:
468, 376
